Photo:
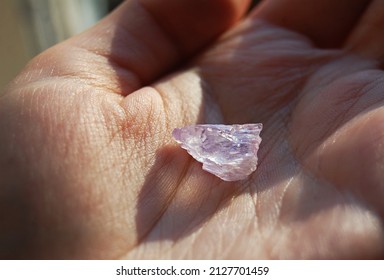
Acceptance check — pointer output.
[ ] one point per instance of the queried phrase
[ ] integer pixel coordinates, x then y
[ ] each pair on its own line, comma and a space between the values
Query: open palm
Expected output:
89, 169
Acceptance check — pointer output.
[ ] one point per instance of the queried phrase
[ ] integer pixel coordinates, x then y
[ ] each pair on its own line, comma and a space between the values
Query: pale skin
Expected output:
88, 168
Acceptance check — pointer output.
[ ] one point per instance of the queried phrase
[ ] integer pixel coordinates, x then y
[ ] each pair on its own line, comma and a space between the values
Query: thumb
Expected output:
140, 41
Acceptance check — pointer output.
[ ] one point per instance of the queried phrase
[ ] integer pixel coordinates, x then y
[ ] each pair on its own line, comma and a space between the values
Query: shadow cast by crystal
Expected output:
178, 196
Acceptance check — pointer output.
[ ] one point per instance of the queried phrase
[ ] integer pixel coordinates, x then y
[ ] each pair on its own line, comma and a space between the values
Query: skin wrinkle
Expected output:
279, 204
354, 95
132, 81
201, 220
350, 65
166, 108
254, 197
371, 148
146, 130
193, 239
254, 189
234, 241
285, 94
128, 66
184, 108
92, 78
266, 148
187, 106
170, 197
115, 130
210, 110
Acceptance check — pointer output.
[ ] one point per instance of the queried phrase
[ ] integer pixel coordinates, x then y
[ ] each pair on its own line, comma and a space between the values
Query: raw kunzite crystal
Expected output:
227, 151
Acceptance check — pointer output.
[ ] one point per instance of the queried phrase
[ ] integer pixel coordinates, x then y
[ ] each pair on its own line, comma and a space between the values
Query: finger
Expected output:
141, 40
326, 22
367, 38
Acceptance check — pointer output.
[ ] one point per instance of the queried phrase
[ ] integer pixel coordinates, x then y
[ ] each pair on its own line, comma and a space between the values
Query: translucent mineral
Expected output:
227, 151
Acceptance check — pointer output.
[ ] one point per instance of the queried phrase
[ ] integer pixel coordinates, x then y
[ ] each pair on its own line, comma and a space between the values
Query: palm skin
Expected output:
89, 169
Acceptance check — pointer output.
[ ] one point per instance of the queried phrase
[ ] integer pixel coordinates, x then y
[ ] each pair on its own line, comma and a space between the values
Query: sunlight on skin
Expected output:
289, 226
89, 168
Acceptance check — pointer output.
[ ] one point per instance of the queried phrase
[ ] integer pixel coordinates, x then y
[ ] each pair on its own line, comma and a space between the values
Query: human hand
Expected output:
88, 168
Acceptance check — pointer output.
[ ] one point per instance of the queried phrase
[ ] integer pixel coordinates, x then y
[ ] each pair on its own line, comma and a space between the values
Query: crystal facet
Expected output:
227, 151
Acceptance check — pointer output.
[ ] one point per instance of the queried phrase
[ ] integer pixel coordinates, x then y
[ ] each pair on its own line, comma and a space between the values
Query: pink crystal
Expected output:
227, 151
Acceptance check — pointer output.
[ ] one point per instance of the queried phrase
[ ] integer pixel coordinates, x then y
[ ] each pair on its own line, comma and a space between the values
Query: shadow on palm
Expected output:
317, 176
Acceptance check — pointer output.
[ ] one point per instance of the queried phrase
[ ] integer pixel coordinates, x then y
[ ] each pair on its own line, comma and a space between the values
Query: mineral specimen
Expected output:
227, 151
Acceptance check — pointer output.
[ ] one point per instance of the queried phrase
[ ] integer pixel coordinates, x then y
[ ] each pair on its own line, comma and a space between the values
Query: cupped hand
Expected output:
88, 168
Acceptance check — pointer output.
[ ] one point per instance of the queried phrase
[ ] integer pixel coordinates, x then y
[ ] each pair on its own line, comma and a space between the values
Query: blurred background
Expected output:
27, 27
